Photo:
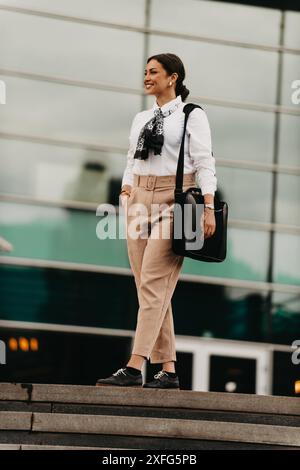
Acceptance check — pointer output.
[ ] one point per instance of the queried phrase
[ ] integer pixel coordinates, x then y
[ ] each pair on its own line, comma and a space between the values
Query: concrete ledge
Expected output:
6, 405
43, 447
15, 421
54, 447
127, 442
14, 391
170, 428
166, 399
10, 447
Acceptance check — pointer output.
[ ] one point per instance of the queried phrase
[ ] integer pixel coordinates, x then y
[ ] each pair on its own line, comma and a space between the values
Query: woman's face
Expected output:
156, 79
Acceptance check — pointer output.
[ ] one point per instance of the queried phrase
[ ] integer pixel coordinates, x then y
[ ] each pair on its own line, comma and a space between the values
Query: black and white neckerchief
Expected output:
152, 134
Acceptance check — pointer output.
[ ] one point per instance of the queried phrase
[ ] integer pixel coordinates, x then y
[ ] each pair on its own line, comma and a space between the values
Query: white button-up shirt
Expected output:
198, 156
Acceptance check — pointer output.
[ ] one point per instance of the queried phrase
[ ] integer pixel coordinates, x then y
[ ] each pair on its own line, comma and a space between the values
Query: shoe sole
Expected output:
162, 388
111, 385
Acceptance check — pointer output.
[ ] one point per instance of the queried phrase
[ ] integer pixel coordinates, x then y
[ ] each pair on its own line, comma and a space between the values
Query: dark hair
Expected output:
172, 64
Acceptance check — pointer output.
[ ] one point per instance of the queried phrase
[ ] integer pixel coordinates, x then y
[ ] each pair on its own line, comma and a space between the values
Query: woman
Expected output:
149, 180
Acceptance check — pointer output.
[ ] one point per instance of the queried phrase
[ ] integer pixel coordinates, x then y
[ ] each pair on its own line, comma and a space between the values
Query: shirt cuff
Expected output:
206, 186
127, 179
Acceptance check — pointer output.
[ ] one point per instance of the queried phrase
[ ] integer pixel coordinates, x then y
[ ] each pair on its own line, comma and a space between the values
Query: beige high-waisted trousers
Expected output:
154, 265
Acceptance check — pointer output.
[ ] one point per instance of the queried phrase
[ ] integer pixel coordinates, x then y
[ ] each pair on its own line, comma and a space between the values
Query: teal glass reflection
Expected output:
57, 234
285, 318
67, 297
88, 299
41, 232
247, 257
286, 259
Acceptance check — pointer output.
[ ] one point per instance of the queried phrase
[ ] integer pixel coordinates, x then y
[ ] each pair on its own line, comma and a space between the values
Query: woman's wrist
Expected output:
126, 189
208, 198
209, 202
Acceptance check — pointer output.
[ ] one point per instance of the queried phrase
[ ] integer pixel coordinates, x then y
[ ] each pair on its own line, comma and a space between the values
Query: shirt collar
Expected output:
170, 106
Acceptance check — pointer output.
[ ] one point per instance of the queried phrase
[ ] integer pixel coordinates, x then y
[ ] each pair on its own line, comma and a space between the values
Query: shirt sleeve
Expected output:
200, 151
128, 172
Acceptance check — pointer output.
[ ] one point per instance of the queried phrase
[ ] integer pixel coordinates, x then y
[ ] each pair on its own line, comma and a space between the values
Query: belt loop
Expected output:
154, 182
150, 182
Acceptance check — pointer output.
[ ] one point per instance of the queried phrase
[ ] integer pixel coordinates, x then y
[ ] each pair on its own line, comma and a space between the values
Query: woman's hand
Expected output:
209, 222
126, 190
125, 193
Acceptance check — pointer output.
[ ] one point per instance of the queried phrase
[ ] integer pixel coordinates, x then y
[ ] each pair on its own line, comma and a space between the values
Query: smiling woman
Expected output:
164, 75
148, 182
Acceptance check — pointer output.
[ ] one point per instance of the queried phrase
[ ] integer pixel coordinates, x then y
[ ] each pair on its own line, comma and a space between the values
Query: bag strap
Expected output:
187, 109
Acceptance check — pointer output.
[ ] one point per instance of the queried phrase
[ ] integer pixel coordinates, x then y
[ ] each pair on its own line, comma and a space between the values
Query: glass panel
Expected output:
241, 263
286, 259
285, 318
121, 11
230, 371
48, 296
223, 72
288, 197
224, 312
216, 19
285, 374
59, 173
291, 68
247, 193
60, 234
292, 29
238, 134
67, 297
70, 50
289, 140
63, 358
68, 112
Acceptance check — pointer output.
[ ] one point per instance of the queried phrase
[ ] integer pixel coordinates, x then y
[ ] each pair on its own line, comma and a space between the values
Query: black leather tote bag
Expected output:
187, 237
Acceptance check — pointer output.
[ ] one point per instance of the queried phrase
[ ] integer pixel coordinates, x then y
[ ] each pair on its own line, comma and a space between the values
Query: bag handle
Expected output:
187, 109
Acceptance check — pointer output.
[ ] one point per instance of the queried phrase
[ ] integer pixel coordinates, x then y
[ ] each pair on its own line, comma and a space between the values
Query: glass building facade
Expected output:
73, 74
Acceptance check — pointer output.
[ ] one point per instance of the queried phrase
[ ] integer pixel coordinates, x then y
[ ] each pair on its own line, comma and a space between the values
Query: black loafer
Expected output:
163, 380
122, 378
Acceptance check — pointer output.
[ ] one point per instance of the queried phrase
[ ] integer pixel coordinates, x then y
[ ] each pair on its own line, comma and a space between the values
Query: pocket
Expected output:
130, 198
131, 193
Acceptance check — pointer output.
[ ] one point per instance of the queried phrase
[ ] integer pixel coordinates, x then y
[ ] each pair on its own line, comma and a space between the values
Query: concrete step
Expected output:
102, 417
45, 447
150, 427
153, 412
126, 396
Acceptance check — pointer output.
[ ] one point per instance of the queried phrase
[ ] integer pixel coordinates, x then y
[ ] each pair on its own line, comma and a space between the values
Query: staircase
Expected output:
36, 416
